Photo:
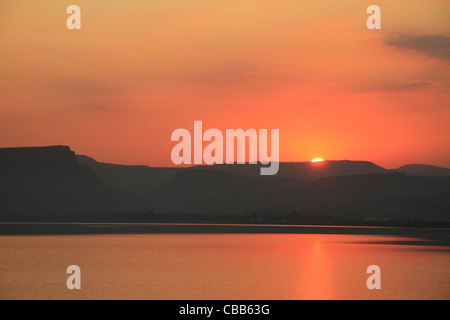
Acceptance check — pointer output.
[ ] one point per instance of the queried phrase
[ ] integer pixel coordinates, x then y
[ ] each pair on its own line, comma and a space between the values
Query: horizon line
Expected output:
204, 164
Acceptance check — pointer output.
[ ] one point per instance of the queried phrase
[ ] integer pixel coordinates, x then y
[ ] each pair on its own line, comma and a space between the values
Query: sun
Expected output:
317, 160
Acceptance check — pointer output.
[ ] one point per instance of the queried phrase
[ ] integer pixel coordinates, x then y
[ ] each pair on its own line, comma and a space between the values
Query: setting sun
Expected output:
317, 160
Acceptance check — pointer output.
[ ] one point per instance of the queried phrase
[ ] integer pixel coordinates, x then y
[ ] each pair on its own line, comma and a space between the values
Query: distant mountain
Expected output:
49, 180
341, 188
424, 170
198, 189
53, 181
217, 182
389, 196
144, 180
141, 180
380, 196
305, 170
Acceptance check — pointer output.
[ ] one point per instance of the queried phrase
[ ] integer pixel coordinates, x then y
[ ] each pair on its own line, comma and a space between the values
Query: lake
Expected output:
204, 265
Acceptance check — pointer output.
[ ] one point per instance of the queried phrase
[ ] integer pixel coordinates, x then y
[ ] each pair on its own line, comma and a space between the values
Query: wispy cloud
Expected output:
430, 45
230, 73
408, 86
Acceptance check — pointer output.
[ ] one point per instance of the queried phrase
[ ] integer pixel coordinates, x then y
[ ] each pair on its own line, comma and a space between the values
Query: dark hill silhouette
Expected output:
200, 190
197, 183
392, 195
305, 170
49, 180
52, 180
424, 170
378, 196
344, 188
141, 180
144, 180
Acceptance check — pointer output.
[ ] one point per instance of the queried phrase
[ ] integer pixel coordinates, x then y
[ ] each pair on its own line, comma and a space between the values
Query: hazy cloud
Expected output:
430, 45
239, 77
230, 73
409, 86
93, 107
79, 86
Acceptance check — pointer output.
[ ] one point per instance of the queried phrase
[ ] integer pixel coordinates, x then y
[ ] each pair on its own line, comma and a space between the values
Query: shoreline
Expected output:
414, 235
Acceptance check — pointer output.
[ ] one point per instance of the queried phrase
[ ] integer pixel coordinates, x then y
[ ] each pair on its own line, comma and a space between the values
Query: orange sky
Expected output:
137, 70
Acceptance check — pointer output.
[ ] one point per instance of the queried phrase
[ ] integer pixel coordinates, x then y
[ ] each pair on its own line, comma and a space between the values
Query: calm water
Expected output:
220, 266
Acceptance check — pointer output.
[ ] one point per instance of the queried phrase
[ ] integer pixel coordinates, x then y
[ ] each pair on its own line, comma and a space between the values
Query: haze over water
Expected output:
221, 266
